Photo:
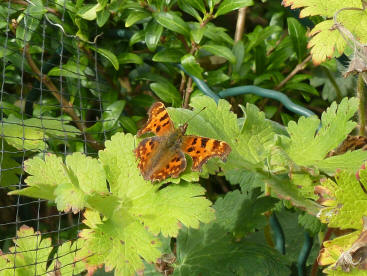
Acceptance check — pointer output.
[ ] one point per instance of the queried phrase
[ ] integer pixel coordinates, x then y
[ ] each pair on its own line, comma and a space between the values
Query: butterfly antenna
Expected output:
193, 116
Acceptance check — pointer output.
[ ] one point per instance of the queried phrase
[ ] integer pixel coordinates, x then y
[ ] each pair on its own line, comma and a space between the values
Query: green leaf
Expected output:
199, 5
167, 92
88, 172
168, 55
137, 37
72, 195
44, 176
216, 77
108, 55
328, 77
346, 203
306, 147
136, 16
102, 3
112, 113
247, 180
239, 53
53, 126
152, 35
231, 258
102, 17
217, 34
128, 124
297, 33
304, 87
172, 22
125, 58
326, 42
282, 187
190, 64
186, 7
119, 243
21, 138
89, 11
69, 70
229, 5
65, 258
260, 34
349, 161
220, 51
318, 7
10, 171
240, 213
29, 255
184, 199
29, 24
311, 223
197, 32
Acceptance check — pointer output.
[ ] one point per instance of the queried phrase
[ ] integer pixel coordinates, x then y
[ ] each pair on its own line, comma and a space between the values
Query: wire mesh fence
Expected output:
43, 112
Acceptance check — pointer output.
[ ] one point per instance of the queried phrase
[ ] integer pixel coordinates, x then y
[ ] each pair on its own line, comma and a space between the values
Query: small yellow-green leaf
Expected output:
89, 11
135, 17
191, 65
168, 55
220, 51
172, 22
108, 55
229, 5
129, 58
153, 34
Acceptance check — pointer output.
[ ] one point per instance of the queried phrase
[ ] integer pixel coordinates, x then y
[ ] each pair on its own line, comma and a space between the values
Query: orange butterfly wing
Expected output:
159, 121
155, 164
201, 149
160, 159
171, 165
146, 149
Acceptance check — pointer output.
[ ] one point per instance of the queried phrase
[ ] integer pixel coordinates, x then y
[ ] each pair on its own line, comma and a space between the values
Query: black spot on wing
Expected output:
216, 144
190, 149
160, 110
158, 128
164, 117
204, 141
194, 141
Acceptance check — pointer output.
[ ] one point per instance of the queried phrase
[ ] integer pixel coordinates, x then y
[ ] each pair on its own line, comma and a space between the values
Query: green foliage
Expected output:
31, 134
343, 208
327, 40
33, 253
195, 247
306, 148
132, 209
96, 89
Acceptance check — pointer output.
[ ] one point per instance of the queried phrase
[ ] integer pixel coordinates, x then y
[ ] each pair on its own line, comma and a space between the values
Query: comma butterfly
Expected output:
162, 156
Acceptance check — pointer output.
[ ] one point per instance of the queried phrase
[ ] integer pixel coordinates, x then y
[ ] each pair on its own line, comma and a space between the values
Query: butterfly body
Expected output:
163, 155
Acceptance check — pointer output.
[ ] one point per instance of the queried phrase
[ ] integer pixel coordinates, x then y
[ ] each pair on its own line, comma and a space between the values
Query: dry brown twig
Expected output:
66, 106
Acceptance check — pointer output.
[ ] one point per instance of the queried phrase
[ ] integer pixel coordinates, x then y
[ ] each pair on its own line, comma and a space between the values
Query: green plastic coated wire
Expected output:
250, 89
267, 93
304, 253
201, 85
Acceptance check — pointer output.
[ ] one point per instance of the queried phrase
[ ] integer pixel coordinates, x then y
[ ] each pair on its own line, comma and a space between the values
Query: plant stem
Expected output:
240, 26
65, 104
187, 93
335, 85
315, 266
298, 68
362, 104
